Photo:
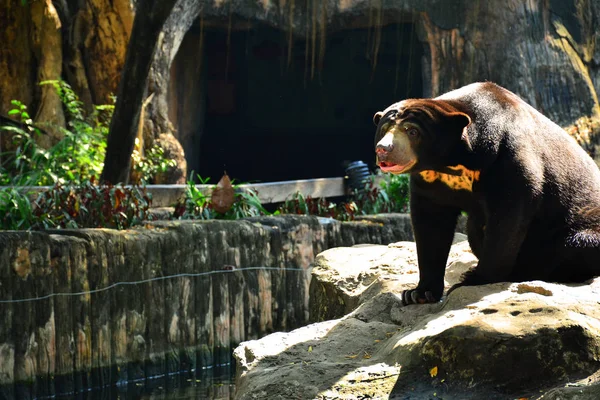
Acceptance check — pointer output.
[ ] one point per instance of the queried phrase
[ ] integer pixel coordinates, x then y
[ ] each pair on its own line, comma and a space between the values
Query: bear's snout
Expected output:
383, 149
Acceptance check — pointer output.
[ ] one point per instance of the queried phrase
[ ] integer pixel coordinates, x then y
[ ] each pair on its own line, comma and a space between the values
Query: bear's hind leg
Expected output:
580, 258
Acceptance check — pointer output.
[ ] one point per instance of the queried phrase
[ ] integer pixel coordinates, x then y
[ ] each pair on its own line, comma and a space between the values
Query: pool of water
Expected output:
215, 385
216, 388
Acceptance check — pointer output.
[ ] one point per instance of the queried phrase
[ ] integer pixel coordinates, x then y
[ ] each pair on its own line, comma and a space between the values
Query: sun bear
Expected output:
531, 193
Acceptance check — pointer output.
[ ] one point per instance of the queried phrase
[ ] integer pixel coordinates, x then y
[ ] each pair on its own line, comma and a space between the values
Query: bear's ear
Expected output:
377, 117
458, 123
459, 120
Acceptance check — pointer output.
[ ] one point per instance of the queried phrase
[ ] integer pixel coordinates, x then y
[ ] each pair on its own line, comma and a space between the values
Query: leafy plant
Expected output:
397, 188
16, 210
77, 157
391, 196
197, 205
21, 166
247, 204
86, 205
152, 163
89, 205
307, 205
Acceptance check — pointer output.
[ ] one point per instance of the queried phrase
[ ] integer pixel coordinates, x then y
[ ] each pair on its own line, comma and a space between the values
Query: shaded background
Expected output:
286, 89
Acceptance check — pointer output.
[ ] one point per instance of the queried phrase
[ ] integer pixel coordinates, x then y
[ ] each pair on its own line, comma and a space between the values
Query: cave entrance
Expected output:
244, 105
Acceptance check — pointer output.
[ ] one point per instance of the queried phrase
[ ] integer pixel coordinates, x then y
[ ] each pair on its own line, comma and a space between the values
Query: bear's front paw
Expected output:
418, 296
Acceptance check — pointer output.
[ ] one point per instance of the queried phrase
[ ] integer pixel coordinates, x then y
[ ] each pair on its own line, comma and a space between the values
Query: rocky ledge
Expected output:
530, 340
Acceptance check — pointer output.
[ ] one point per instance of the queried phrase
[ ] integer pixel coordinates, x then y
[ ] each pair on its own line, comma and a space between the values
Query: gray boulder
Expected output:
500, 341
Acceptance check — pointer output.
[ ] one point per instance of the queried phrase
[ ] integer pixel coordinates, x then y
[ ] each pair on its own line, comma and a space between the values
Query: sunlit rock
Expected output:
498, 341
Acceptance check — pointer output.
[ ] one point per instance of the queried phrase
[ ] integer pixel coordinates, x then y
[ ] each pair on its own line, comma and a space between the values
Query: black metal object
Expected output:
357, 174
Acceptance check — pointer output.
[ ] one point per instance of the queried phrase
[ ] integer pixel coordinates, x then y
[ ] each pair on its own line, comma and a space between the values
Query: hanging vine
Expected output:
399, 49
291, 8
228, 45
322, 34
377, 32
313, 38
374, 33
307, 44
201, 42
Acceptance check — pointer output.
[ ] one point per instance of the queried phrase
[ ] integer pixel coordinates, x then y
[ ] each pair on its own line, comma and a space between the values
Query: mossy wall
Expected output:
203, 287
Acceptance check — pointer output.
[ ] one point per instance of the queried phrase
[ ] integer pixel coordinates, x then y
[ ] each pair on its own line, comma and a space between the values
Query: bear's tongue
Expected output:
395, 168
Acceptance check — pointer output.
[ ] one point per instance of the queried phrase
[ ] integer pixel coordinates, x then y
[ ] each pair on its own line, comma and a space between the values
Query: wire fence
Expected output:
149, 280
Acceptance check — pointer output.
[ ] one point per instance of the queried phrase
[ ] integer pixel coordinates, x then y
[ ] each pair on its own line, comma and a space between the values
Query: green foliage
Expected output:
75, 201
86, 205
16, 210
197, 205
391, 196
21, 167
89, 205
77, 157
153, 163
307, 205
70, 167
397, 188
247, 204
73, 106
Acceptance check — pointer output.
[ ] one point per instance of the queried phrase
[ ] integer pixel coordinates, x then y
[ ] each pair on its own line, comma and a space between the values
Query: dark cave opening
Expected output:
241, 103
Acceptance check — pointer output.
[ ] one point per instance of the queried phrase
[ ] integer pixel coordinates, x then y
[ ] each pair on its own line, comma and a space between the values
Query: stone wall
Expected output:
203, 287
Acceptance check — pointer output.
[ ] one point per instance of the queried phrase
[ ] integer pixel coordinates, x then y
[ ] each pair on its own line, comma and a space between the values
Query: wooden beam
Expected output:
271, 192
275, 192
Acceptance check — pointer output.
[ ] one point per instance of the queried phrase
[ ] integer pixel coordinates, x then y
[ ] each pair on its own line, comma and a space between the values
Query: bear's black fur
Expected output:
531, 192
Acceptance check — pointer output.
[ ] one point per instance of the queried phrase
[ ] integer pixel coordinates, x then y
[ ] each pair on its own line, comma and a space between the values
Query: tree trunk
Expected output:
31, 52
146, 33
157, 126
82, 42
95, 36
17, 62
47, 37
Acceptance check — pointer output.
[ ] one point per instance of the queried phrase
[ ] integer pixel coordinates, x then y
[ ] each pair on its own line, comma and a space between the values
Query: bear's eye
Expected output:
412, 132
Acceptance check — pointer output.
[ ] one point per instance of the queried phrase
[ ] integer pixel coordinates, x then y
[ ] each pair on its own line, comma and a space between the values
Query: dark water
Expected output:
214, 388
213, 385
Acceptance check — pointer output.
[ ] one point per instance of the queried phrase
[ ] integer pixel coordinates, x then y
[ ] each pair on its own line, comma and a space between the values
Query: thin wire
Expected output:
158, 278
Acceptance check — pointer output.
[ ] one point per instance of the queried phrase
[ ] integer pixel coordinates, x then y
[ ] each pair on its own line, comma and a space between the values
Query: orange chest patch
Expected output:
464, 181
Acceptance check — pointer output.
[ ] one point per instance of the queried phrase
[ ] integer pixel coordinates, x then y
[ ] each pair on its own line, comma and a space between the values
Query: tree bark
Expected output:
157, 125
17, 63
145, 36
47, 38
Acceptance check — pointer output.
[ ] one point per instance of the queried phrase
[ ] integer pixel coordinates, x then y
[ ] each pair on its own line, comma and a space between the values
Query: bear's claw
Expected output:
416, 296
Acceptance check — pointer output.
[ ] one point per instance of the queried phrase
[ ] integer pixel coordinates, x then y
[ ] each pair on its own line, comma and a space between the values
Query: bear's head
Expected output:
419, 134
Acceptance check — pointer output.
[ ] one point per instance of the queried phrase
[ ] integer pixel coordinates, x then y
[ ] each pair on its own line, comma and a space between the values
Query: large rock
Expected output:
344, 278
506, 340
